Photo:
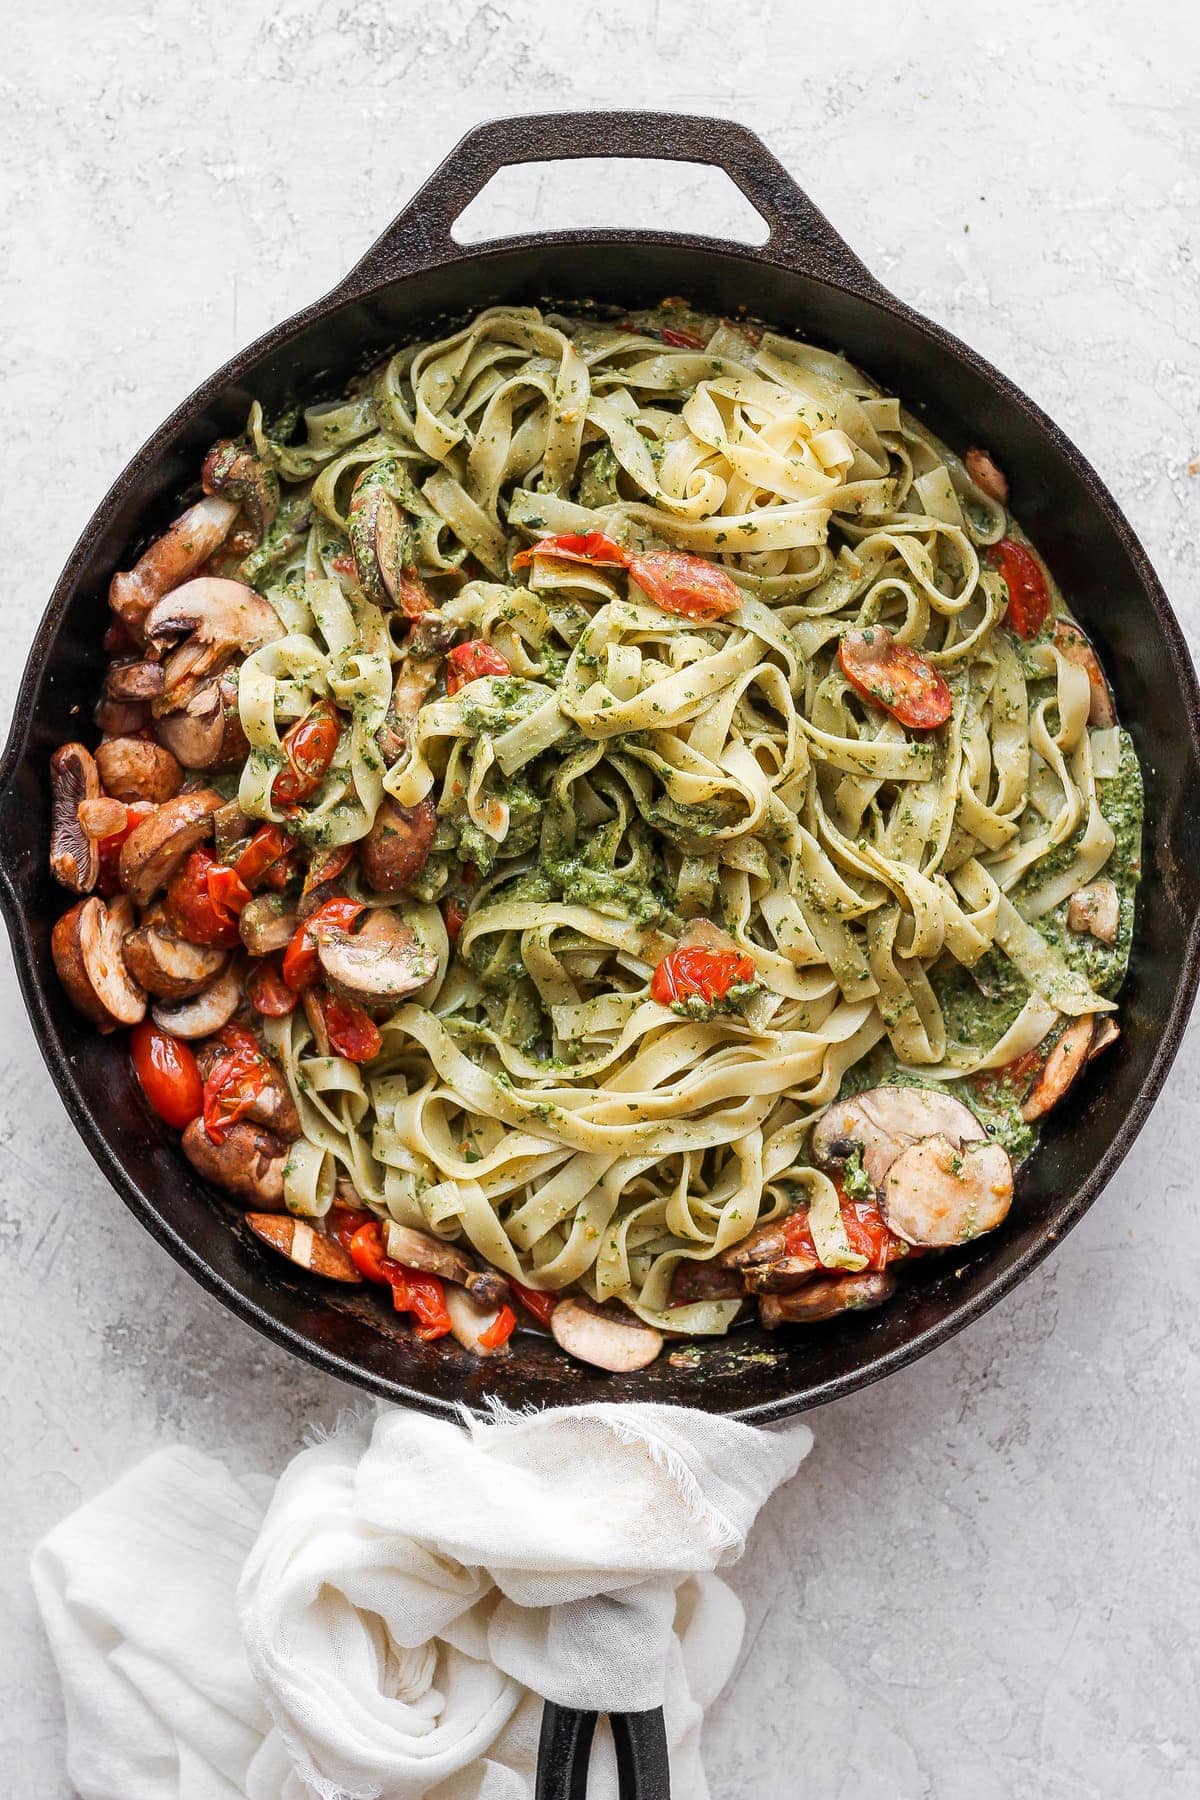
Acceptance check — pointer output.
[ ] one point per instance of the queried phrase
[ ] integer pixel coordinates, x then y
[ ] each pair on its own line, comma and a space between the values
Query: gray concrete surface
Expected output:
983, 1584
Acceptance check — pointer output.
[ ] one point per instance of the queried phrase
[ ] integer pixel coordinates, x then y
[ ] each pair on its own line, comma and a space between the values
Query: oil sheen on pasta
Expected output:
903, 894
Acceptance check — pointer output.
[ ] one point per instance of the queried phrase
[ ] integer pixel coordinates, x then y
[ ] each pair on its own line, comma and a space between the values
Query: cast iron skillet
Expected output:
804, 279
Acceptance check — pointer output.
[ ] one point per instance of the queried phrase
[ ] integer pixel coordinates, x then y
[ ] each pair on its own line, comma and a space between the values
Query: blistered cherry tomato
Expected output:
234, 1082
689, 585
301, 964
470, 662
1028, 596
575, 546
534, 1301
681, 340
310, 747
894, 677
352, 1032
695, 973
267, 991
500, 1330
204, 900
108, 879
266, 847
167, 1073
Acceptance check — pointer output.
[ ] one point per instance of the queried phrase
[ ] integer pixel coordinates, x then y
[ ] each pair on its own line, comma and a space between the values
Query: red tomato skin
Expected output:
310, 746
108, 880
577, 546
352, 1032
688, 585
500, 1330
200, 910
895, 677
681, 340
692, 972
471, 662
864, 1227
266, 847
1028, 596
301, 965
534, 1301
167, 1074
267, 991
234, 1082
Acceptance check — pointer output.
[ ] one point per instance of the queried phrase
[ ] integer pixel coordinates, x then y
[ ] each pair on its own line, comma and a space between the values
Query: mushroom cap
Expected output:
129, 680
86, 946
417, 1250
606, 1340
377, 537
233, 470
206, 732
268, 923
210, 619
167, 965
383, 961
825, 1299
885, 1120
133, 768
248, 1163
199, 1014
74, 780
398, 844
938, 1193
154, 849
170, 559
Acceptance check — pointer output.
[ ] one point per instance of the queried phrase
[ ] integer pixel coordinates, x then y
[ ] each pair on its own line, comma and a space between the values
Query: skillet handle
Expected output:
565, 1746
800, 234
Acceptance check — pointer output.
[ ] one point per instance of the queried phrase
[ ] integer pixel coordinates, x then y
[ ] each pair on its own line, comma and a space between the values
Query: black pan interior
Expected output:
1109, 585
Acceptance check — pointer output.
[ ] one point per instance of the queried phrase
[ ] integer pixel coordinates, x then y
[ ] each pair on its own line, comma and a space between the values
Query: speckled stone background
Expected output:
983, 1585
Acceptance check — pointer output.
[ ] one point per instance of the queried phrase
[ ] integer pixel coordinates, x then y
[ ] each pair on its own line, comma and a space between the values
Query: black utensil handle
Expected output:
565, 1748
800, 234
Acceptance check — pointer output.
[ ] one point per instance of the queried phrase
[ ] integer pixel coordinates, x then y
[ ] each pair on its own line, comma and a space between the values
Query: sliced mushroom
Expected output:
606, 1340
132, 768
377, 541
198, 1015
232, 830
74, 781
1096, 910
398, 844
782, 1277
133, 681
323, 878
416, 1250
1103, 1037
766, 1243
415, 681
206, 733
121, 718
86, 946
382, 961
234, 471
314, 1012
268, 924
166, 965
986, 475
1075, 646
825, 1299
308, 1249
693, 1279
154, 849
271, 1104
248, 1162
883, 1121
940, 1192
1062, 1067
470, 1322
210, 620
174, 556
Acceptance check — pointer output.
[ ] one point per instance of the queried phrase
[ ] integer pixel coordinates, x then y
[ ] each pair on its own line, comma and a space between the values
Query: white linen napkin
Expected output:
384, 1625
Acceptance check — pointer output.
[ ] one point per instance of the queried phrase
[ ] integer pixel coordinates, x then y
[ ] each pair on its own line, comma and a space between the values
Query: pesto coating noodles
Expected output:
637, 768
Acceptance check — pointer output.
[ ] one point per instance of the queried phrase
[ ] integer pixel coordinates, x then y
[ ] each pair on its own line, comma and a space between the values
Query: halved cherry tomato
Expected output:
894, 677
167, 1073
266, 847
500, 1330
534, 1301
1028, 596
681, 340
368, 1255
204, 900
267, 991
693, 972
797, 1236
234, 1082
575, 546
301, 964
310, 747
424, 1295
108, 880
864, 1226
689, 585
344, 1221
352, 1032
470, 662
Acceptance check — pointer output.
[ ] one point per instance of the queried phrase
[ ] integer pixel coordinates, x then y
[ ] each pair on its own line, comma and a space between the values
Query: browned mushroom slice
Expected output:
377, 541
987, 476
938, 1193
133, 768
415, 681
209, 620
308, 1249
134, 681
198, 1015
766, 1243
1096, 911
693, 1280
820, 1300
433, 1256
1104, 1036
166, 965
170, 560
86, 946
382, 961
206, 733
470, 1322
74, 781
268, 924
606, 1340
883, 1121
313, 1003
398, 844
154, 849
121, 718
235, 472
1062, 1067
247, 1163
783, 1276
1074, 645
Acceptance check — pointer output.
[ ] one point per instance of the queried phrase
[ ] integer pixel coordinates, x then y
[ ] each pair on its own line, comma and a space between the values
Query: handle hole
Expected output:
592, 192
